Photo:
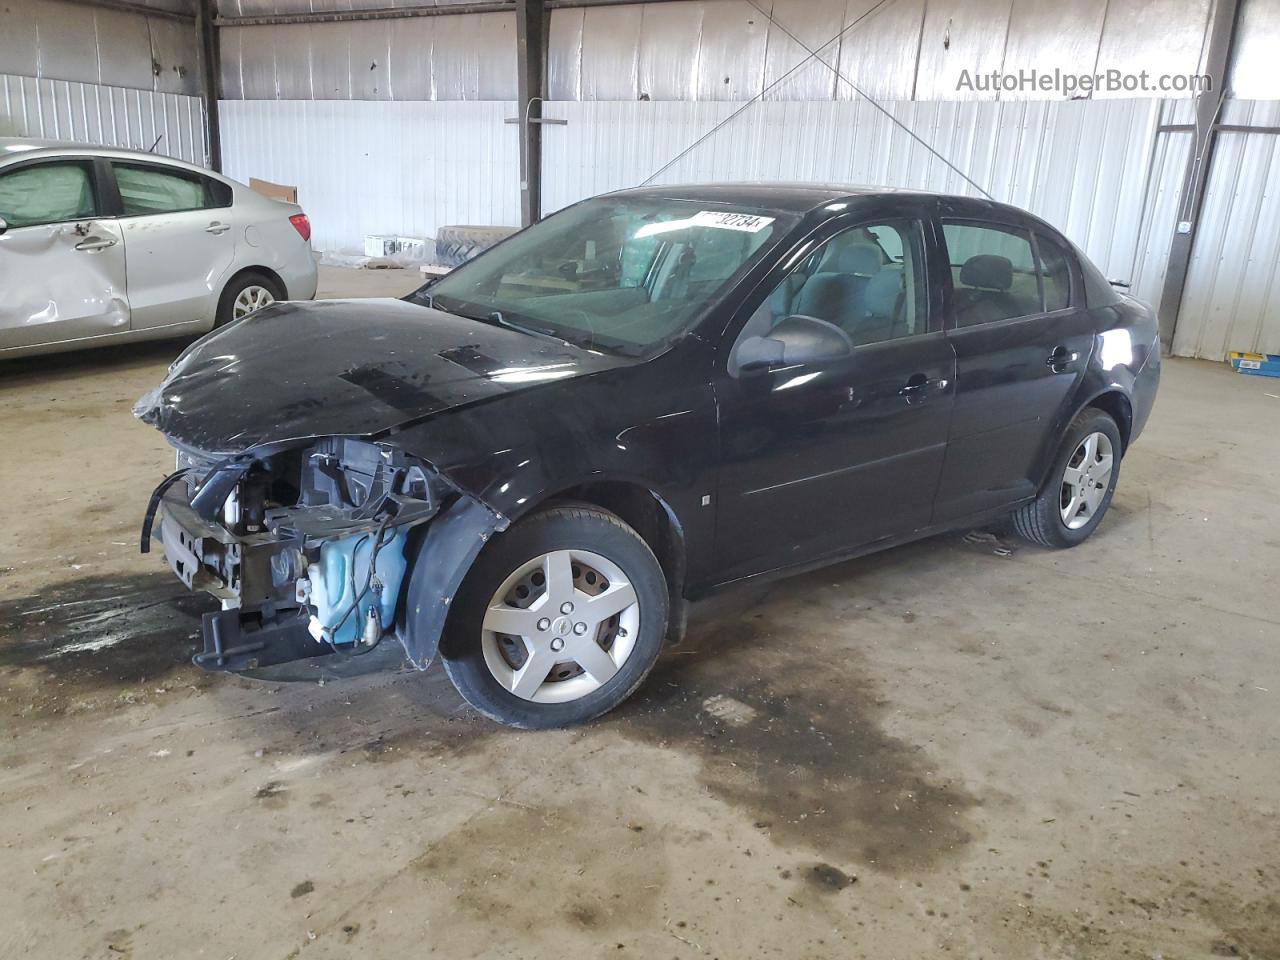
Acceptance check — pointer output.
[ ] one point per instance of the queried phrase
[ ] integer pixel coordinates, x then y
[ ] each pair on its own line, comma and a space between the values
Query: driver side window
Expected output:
42, 193
868, 281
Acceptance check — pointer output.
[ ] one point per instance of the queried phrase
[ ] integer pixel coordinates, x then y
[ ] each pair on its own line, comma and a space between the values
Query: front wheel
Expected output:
559, 621
1080, 484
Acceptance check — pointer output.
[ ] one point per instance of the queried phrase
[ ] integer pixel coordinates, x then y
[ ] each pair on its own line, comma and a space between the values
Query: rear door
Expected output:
1022, 341
180, 241
821, 459
62, 266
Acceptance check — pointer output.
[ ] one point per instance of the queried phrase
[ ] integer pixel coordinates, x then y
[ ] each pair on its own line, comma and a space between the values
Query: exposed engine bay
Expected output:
308, 548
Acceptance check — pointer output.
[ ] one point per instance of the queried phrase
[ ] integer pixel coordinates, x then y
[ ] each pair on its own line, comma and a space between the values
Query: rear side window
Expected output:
993, 273
1056, 273
146, 190
47, 193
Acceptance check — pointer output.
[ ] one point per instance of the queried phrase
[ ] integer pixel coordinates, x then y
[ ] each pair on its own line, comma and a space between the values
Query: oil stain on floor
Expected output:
98, 634
802, 751
541, 869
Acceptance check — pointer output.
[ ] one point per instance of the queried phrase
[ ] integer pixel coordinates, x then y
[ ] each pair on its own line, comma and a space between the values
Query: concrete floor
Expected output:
941, 749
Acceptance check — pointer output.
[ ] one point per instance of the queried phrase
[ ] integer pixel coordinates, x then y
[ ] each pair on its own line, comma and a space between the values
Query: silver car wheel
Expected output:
560, 626
1086, 479
251, 298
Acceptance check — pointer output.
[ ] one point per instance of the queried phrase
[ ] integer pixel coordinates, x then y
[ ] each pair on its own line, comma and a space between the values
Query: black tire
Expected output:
562, 527
239, 283
1039, 521
456, 245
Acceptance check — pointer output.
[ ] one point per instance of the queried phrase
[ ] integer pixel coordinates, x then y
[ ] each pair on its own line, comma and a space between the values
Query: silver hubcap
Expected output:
1086, 479
560, 626
251, 298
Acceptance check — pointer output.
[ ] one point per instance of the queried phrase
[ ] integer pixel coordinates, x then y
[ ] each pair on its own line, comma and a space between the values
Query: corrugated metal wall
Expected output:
1168, 164
1232, 299
76, 72
725, 50
114, 116
255, 8
906, 49
390, 167
1088, 167
1253, 73
50, 39
465, 57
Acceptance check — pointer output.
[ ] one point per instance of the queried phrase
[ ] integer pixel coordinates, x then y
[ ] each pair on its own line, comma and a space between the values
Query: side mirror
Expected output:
4, 225
795, 339
760, 353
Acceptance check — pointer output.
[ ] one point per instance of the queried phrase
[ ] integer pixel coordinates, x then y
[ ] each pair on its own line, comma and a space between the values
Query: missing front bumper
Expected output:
255, 577
252, 578
252, 572
234, 642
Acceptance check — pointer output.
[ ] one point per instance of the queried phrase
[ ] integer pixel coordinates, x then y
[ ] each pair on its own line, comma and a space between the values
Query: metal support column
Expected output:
1222, 35
210, 79
531, 72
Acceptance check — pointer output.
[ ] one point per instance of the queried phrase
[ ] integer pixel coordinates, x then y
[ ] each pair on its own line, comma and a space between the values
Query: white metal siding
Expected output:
1085, 166
1232, 298
59, 40
908, 49
111, 116
464, 57
725, 50
367, 166
1160, 216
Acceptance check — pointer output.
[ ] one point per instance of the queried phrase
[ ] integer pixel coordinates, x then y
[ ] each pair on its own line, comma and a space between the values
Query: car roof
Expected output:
802, 197
12, 148
12, 145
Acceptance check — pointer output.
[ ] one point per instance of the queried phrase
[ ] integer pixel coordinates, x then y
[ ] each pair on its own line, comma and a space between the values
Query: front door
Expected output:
62, 270
181, 242
1022, 342
819, 460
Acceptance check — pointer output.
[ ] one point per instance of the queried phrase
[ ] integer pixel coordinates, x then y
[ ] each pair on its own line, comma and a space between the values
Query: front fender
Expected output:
442, 552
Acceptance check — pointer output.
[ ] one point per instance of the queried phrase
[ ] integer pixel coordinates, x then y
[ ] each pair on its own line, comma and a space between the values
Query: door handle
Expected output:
918, 386
1059, 360
217, 228
90, 244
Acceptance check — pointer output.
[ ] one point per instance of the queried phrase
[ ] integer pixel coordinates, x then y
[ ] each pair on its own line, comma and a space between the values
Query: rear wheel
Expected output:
1080, 486
559, 621
245, 294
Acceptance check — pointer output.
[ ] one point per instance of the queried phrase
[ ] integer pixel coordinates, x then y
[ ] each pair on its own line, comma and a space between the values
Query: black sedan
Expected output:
531, 465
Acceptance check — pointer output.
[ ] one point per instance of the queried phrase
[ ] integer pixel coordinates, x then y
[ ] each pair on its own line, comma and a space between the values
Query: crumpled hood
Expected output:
345, 368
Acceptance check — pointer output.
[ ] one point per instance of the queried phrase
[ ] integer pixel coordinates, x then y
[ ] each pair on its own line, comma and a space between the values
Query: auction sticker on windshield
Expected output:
722, 220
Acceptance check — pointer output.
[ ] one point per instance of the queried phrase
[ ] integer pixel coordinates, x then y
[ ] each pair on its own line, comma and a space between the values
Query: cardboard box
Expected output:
1255, 364
276, 191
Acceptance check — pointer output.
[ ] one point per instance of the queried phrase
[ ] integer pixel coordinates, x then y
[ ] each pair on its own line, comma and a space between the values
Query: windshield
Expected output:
622, 275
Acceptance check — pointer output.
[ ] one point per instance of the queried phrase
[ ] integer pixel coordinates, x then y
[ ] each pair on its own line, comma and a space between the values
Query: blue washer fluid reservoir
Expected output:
347, 560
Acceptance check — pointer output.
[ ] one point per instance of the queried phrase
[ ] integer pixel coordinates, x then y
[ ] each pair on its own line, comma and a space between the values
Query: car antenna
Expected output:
814, 55
156, 144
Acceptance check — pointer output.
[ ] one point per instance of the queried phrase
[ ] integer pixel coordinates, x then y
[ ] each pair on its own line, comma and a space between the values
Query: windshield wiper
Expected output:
497, 317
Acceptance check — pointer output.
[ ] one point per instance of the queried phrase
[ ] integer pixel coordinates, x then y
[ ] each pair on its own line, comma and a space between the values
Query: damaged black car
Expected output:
530, 466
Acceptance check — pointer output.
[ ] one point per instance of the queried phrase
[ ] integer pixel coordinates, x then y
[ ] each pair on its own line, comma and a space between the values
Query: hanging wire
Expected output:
814, 55
759, 96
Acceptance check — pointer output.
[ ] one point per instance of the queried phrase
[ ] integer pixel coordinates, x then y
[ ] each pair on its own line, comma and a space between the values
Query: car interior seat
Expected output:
982, 291
836, 292
883, 302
